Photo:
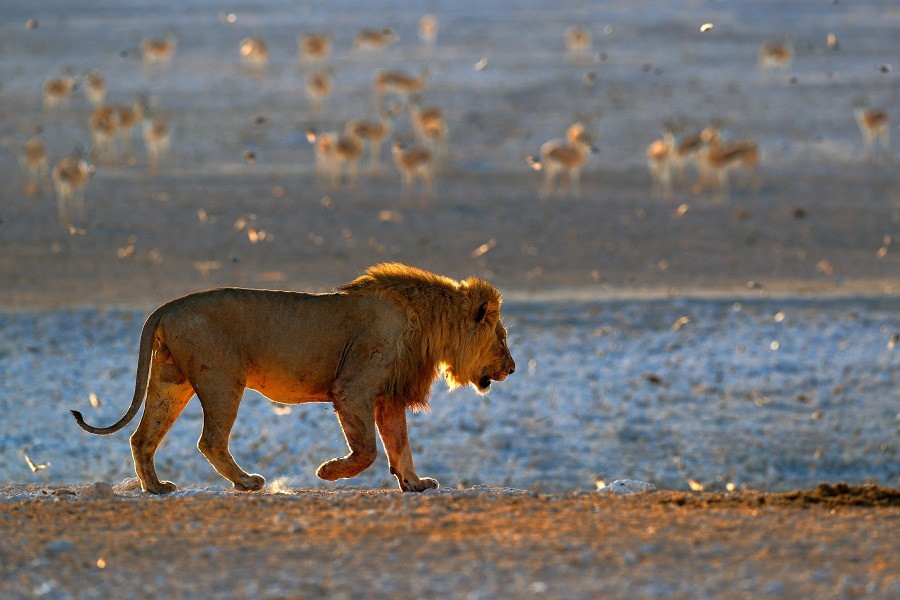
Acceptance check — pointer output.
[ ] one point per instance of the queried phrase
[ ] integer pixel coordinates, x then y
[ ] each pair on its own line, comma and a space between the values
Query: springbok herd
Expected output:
419, 156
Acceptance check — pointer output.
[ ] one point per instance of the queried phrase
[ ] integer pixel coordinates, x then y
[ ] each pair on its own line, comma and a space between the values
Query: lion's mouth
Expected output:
485, 382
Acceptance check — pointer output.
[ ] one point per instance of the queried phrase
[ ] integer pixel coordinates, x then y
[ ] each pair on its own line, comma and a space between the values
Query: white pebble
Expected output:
626, 487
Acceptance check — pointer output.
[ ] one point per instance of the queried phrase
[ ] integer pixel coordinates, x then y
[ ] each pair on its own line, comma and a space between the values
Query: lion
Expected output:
372, 348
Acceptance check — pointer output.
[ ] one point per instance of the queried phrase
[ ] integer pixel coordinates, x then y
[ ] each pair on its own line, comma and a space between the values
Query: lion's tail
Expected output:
148, 333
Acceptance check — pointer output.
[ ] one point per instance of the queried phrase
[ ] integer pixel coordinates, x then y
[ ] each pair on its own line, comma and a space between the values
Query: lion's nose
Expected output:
512, 367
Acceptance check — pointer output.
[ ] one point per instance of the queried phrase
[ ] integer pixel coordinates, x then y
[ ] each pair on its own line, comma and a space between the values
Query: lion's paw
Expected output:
428, 483
254, 483
418, 484
160, 487
329, 470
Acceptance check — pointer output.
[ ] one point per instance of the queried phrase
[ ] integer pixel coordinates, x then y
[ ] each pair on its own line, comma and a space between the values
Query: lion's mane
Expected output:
445, 326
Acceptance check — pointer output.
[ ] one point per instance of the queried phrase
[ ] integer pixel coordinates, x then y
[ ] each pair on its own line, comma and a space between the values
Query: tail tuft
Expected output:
77, 415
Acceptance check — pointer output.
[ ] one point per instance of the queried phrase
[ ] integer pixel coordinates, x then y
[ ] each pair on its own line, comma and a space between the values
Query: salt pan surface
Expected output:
771, 394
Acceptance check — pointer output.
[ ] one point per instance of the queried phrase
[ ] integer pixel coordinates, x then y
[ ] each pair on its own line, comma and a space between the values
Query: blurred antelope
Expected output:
719, 160
314, 47
428, 29
254, 53
578, 43
94, 88
323, 144
318, 88
33, 160
157, 138
373, 39
661, 162
414, 163
129, 118
430, 128
155, 51
346, 150
58, 90
566, 157
687, 151
70, 175
371, 134
104, 127
874, 124
773, 55
398, 83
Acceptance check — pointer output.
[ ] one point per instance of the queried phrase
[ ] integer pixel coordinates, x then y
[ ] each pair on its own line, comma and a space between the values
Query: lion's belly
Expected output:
289, 389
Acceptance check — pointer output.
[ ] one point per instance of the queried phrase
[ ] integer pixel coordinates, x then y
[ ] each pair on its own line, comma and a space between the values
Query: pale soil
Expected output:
629, 245
832, 542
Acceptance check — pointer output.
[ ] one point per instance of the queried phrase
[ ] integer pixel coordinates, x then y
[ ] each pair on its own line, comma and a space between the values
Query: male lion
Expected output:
372, 348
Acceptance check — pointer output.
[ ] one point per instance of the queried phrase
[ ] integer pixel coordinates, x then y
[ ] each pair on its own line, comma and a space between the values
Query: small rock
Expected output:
127, 485
99, 490
626, 487
57, 547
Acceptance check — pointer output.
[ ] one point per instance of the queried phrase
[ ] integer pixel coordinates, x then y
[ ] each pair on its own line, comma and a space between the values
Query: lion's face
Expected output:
495, 361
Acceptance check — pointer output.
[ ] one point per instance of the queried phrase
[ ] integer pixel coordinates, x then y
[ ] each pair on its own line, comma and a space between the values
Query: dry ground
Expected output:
831, 542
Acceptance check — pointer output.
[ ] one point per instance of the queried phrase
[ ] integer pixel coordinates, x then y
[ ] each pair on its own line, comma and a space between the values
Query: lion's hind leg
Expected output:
168, 392
358, 423
220, 399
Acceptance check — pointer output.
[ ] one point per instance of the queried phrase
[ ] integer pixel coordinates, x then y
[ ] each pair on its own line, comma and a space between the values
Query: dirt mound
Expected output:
838, 494
841, 494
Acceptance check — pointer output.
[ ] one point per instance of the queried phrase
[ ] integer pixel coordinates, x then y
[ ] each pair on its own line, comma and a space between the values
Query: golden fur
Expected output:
372, 348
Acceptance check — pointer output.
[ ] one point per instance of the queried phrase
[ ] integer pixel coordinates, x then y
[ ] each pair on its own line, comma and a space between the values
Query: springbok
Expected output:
578, 43
156, 51
70, 175
372, 134
773, 55
874, 124
157, 138
687, 151
428, 29
33, 160
254, 53
719, 160
323, 145
398, 83
333, 152
661, 162
373, 39
414, 163
58, 90
95, 88
129, 118
104, 127
346, 150
430, 128
564, 156
318, 87
314, 47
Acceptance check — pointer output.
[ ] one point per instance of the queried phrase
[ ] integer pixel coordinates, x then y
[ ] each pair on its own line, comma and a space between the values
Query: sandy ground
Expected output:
831, 542
824, 223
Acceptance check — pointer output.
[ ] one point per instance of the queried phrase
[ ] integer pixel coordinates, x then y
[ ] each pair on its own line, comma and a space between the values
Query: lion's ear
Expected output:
488, 313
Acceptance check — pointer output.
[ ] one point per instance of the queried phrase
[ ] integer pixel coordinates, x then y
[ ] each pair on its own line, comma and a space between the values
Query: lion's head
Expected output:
483, 356
454, 328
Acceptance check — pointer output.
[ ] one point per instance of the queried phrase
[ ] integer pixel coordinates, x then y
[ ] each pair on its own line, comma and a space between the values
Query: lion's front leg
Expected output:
391, 420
